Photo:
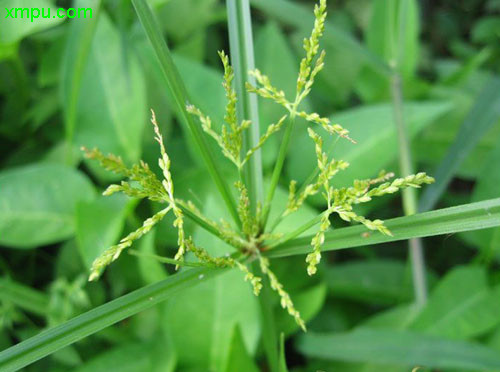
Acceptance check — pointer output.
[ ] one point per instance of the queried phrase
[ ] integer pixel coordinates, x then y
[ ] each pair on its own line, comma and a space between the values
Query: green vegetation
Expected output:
193, 252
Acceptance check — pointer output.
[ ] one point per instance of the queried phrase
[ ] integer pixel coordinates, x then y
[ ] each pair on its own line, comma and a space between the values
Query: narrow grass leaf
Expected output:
401, 348
48, 342
484, 114
181, 99
473, 216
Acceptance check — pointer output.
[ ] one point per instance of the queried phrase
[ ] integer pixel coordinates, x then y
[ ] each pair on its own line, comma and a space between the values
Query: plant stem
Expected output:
409, 194
242, 60
180, 96
278, 167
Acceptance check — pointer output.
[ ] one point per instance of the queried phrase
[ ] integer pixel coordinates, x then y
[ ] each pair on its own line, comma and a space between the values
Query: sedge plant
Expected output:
252, 234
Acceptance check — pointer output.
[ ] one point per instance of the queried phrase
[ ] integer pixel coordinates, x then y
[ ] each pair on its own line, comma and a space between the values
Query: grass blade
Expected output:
296, 15
181, 98
467, 217
242, 59
473, 216
481, 117
49, 341
400, 348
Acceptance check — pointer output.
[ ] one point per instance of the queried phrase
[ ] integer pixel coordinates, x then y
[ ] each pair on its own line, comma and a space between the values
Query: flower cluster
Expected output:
253, 237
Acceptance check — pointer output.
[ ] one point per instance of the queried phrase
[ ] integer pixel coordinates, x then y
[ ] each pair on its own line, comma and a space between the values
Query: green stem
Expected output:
409, 194
180, 96
242, 60
278, 167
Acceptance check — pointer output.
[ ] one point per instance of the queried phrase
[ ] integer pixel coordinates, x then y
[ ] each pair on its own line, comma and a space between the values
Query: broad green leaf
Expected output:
302, 17
239, 359
200, 320
23, 20
307, 302
395, 40
111, 111
151, 270
99, 224
396, 318
462, 306
374, 130
181, 18
486, 30
40, 198
377, 281
401, 348
76, 54
270, 46
487, 186
132, 357
294, 220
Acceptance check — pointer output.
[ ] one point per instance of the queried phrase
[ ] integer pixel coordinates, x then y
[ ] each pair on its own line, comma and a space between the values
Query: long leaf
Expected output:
49, 341
463, 218
180, 96
484, 114
290, 13
242, 58
400, 348
25, 297
473, 216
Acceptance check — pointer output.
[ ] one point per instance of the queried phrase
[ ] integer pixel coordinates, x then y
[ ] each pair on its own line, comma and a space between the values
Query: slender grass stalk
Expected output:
242, 60
181, 98
467, 217
409, 195
242, 57
278, 167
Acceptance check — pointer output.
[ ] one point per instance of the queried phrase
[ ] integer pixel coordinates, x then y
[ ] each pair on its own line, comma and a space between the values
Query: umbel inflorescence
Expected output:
253, 236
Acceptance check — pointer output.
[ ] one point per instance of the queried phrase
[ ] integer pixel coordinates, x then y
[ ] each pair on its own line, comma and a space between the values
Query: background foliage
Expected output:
91, 82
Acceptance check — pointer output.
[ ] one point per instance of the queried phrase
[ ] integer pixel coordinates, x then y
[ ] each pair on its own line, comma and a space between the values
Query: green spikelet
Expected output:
285, 300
